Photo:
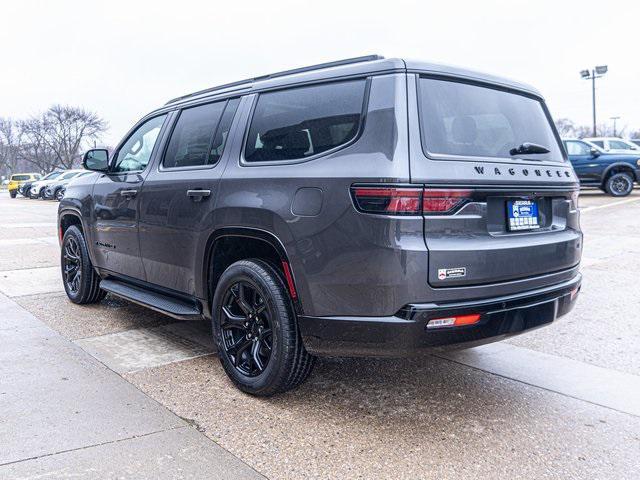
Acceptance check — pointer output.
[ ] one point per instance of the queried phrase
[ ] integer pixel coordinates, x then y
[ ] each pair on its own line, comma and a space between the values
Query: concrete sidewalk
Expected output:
64, 414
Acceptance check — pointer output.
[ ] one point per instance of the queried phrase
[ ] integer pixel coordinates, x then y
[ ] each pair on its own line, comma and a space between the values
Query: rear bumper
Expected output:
405, 333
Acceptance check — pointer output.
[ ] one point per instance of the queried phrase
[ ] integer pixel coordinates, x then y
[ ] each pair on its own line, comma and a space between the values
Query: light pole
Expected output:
615, 119
592, 74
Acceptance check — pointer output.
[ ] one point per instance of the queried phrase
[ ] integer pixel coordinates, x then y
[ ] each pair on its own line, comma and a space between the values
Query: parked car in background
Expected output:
55, 190
37, 188
614, 173
614, 144
17, 179
363, 207
635, 141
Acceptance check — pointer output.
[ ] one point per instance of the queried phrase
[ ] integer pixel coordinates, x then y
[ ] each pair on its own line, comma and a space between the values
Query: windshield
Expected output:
66, 176
52, 175
469, 120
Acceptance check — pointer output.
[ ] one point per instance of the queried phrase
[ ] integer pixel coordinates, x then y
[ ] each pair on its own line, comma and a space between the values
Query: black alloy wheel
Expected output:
246, 329
256, 331
72, 265
619, 184
81, 282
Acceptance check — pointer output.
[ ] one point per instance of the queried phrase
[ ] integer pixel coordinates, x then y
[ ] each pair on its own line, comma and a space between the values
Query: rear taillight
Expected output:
408, 201
388, 200
443, 201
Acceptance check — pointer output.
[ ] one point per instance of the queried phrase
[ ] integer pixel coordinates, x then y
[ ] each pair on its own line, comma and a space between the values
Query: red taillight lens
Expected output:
408, 201
388, 200
443, 201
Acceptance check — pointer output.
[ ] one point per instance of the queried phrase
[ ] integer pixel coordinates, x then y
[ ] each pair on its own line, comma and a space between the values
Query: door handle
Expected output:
198, 195
128, 193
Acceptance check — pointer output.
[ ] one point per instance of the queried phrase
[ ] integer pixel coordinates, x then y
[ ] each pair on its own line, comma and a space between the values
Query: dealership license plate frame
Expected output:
523, 214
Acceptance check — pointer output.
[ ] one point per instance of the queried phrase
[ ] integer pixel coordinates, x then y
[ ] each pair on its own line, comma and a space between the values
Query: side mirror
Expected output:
96, 159
594, 152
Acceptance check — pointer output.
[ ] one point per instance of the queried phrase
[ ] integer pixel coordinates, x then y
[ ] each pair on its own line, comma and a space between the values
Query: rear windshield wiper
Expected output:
527, 148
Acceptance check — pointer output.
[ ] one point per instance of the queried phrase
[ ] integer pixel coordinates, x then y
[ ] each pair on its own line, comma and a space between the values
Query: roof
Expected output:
351, 67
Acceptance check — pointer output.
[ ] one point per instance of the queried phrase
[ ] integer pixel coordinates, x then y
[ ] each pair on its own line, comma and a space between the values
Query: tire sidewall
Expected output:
85, 267
612, 178
280, 308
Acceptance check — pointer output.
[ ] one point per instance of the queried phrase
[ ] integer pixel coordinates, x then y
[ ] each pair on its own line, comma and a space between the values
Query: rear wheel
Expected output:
256, 330
619, 184
81, 282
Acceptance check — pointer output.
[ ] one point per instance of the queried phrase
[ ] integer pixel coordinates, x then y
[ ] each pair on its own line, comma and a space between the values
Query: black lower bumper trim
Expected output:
406, 334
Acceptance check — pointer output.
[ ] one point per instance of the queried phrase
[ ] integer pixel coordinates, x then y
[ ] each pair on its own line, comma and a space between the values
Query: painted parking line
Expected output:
600, 386
134, 350
612, 204
30, 281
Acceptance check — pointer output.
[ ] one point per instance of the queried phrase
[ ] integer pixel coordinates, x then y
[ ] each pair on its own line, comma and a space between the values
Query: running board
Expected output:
176, 308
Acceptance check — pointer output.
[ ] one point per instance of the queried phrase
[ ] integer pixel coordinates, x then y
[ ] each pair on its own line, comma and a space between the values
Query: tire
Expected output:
253, 317
58, 194
13, 193
619, 184
74, 261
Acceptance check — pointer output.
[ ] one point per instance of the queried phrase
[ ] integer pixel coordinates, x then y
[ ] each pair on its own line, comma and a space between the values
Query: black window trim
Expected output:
243, 162
133, 130
226, 100
479, 158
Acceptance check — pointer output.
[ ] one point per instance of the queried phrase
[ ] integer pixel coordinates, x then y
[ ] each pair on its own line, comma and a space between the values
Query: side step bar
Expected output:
176, 308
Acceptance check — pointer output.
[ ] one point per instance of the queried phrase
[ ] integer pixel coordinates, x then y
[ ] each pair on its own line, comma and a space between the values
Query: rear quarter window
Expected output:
466, 120
302, 122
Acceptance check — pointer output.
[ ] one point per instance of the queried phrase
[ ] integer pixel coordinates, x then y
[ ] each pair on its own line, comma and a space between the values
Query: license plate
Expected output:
522, 215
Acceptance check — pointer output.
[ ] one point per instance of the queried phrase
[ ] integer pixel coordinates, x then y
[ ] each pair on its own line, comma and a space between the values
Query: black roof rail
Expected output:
243, 84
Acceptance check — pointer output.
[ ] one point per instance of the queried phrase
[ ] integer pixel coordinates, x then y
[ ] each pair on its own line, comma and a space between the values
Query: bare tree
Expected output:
566, 127
34, 149
62, 131
9, 146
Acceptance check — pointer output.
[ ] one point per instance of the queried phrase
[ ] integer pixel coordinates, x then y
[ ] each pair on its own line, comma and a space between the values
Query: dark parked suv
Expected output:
363, 207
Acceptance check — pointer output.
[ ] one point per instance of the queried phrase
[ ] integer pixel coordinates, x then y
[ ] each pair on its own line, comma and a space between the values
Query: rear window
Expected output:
20, 178
305, 121
473, 121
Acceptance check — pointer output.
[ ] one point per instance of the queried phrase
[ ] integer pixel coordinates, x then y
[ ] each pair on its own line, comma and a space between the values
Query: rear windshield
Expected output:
20, 178
468, 120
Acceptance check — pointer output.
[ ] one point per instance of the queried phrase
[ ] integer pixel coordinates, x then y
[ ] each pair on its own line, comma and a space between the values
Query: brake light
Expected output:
388, 200
443, 201
457, 321
408, 201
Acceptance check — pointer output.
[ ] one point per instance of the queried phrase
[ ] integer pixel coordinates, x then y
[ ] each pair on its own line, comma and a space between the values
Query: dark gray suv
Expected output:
368, 206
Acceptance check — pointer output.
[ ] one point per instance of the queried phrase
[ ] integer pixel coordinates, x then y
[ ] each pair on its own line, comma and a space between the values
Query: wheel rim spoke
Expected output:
245, 320
72, 265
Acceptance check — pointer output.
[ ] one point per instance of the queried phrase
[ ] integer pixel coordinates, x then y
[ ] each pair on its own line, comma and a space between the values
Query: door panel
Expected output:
115, 201
116, 224
178, 197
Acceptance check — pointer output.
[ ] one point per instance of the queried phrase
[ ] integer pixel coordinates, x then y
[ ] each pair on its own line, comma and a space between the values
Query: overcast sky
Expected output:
121, 59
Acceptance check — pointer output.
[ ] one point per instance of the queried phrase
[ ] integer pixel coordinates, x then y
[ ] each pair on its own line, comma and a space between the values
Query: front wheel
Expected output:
13, 193
619, 184
81, 282
59, 194
256, 331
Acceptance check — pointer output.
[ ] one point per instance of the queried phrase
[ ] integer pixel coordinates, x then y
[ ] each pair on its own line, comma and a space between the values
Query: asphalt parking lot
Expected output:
559, 402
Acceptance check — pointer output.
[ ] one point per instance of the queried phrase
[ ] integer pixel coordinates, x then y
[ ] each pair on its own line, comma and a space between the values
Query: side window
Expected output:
191, 141
300, 122
134, 155
618, 144
578, 148
599, 143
